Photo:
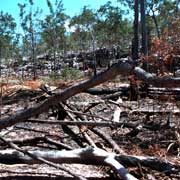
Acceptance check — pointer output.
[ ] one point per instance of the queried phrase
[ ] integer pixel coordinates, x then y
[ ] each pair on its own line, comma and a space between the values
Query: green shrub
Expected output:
54, 76
68, 73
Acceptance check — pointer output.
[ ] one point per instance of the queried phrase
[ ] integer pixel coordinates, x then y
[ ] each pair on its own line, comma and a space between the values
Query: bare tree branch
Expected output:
93, 156
122, 67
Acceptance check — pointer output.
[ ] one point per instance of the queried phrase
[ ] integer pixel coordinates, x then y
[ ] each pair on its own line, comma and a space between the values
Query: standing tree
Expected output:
112, 28
53, 30
160, 16
135, 43
7, 34
144, 43
30, 25
84, 28
84, 24
152, 10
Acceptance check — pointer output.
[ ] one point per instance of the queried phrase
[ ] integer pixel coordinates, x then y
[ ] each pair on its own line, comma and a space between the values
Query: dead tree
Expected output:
122, 67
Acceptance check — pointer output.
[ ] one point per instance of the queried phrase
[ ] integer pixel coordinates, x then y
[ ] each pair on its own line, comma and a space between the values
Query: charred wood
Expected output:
122, 67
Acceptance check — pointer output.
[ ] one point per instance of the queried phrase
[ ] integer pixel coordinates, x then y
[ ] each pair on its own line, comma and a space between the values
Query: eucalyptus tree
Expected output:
144, 43
152, 7
110, 24
7, 34
30, 24
84, 28
162, 14
106, 26
54, 30
84, 31
135, 42
139, 7
168, 11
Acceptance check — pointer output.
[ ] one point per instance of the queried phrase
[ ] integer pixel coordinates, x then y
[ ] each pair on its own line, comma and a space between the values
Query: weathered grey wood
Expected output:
93, 156
122, 67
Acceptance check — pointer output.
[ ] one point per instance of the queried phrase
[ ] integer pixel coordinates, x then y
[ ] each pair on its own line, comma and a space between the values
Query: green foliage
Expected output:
7, 34
54, 76
29, 19
93, 28
30, 25
104, 27
111, 26
53, 28
161, 14
84, 24
68, 73
85, 19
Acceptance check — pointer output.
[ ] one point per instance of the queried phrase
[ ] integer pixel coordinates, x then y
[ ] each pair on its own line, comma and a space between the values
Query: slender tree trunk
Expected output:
156, 24
54, 55
54, 47
1, 90
177, 8
0, 57
33, 56
94, 53
135, 43
143, 28
33, 48
155, 20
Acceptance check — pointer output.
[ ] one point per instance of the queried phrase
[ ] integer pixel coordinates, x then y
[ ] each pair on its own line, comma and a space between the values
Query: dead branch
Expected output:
74, 136
83, 123
85, 156
29, 172
86, 136
108, 139
152, 127
93, 156
156, 81
98, 91
122, 67
40, 159
101, 134
38, 139
88, 115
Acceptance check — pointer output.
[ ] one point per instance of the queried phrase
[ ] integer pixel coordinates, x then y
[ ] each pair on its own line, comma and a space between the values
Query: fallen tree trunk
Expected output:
20, 116
88, 156
151, 79
98, 91
122, 67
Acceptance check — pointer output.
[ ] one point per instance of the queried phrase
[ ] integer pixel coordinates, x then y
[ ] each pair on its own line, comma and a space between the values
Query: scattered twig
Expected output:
88, 115
86, 136
34, 156
108, 139
35, 140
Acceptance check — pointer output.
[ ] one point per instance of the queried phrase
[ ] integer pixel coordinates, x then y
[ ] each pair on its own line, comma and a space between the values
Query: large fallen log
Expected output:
88, 156
164, 81
122, 67
99, 91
